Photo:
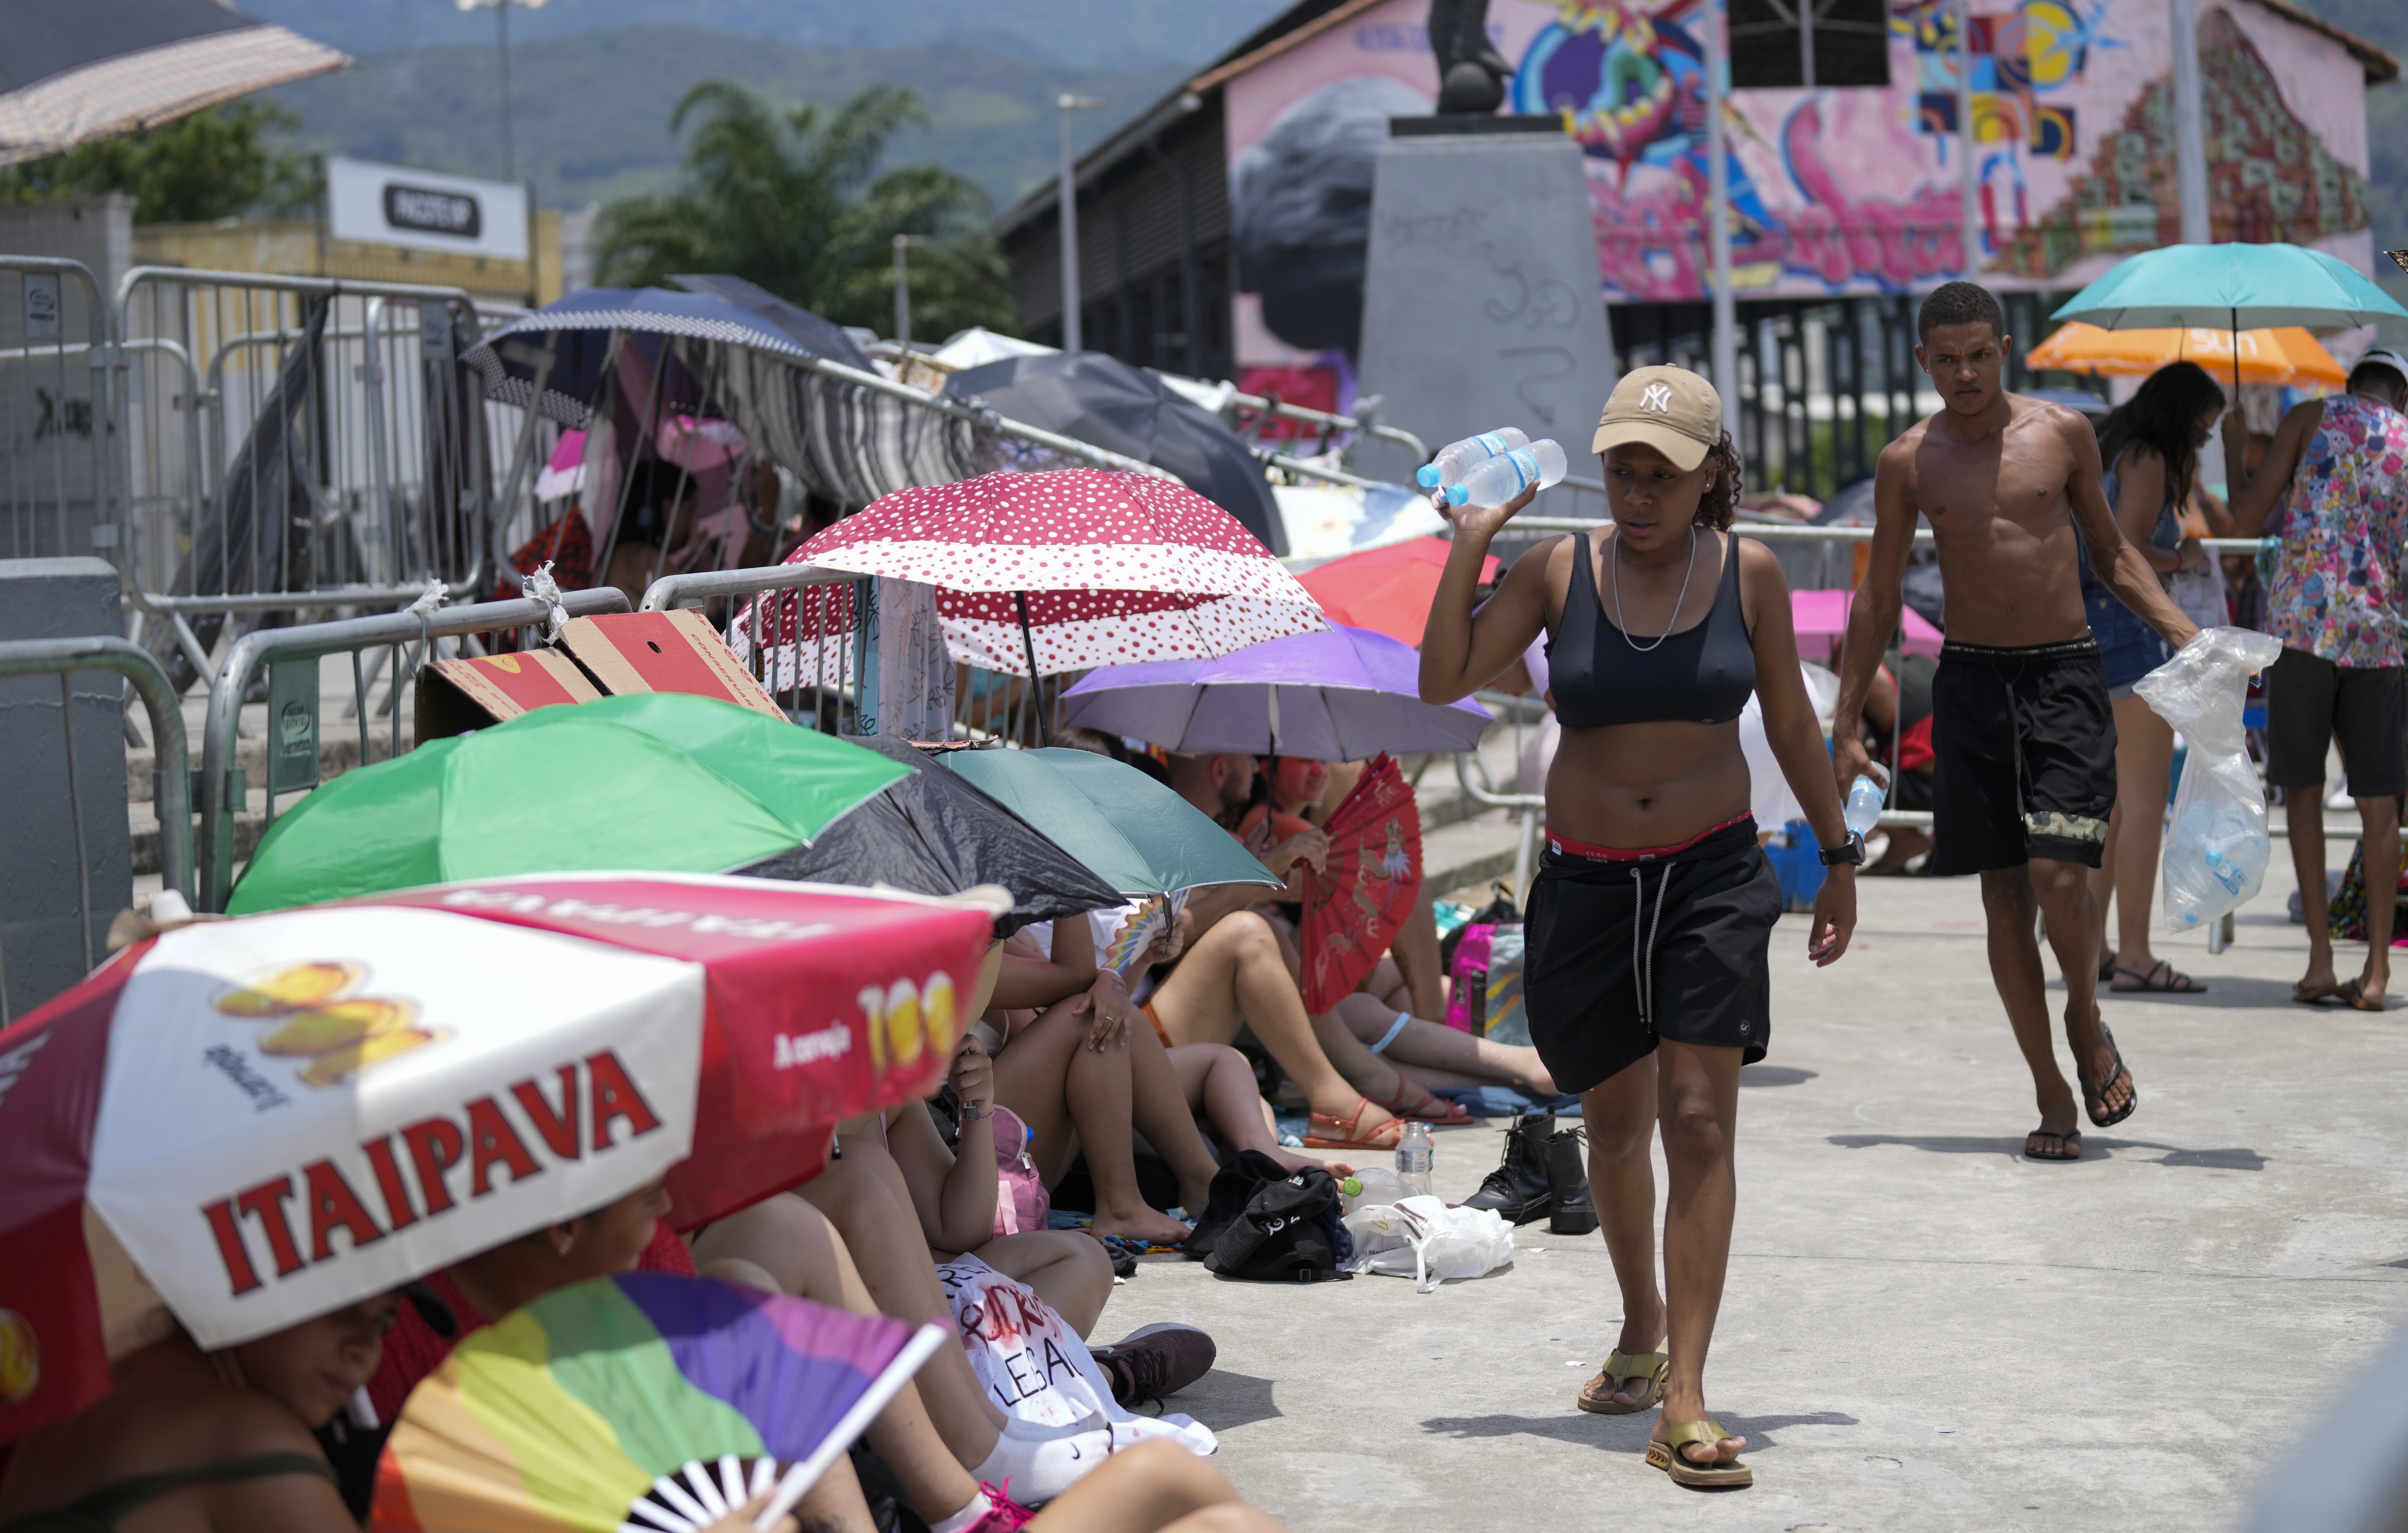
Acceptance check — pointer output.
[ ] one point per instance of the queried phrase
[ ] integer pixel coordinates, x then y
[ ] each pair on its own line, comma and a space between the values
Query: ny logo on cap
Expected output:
1657, 397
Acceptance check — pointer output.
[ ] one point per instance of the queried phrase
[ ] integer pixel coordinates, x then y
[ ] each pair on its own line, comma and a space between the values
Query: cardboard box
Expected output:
457, 695
662, 651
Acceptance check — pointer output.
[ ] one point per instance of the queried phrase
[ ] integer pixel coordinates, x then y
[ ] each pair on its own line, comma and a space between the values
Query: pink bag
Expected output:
1466, 1005
1020, 1201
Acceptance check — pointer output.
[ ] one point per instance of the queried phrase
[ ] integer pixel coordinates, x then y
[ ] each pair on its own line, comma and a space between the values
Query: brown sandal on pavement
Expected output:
1324, 1132
2068, 1144
1620, 1367
2353, 994
1667, 1455
2161, 979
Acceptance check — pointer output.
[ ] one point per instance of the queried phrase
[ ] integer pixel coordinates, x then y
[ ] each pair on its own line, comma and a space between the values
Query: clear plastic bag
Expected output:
2217, 850
1422, 1238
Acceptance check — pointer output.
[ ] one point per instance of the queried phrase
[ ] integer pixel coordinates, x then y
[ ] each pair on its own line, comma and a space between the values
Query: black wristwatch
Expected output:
1850, 851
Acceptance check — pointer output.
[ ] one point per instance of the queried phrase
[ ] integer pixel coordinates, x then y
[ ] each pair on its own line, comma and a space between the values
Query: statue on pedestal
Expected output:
1471, 74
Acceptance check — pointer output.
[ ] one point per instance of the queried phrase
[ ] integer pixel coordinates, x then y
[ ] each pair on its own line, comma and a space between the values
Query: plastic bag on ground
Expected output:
1422, 1238
2217, 849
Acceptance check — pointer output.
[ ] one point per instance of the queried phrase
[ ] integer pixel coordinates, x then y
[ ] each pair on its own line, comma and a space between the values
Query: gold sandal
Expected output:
1667, 1455
1620, 1365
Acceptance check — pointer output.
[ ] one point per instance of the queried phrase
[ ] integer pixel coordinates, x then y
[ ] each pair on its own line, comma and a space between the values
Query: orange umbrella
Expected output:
1386, 590
2288, 355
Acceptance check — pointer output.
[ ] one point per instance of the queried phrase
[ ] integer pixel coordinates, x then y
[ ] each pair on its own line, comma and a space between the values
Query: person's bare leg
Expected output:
1216, 1082
836, 1504
1160, 1109
1149, 1488
2009, 906
1416, 951
1620, 1115
1439, 1046
2063, 892
2145, 754
2304, 816
790, 1245
1698, 1106
1078, 1098
2102, 877
892, 1259
1068, 1270
1233, 978
2380, 817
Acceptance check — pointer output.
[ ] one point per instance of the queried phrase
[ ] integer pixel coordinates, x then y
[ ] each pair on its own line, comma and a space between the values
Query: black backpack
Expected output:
1264, 1223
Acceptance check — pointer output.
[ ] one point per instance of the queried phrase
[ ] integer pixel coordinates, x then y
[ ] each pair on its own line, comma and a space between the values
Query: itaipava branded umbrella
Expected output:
2288, 354
2231, 287
1135, 833
1049, 572
1341, 695
648, 1400
258, 1120
934, 833
664, 782
1388, 590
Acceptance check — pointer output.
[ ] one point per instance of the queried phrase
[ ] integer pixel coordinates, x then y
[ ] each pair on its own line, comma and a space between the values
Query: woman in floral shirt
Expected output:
2337, 599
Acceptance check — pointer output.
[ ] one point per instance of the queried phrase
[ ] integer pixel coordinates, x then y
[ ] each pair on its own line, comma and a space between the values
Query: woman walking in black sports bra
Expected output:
1651, 917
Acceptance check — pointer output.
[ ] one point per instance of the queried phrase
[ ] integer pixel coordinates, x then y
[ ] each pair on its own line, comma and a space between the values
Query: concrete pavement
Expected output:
1922, 1330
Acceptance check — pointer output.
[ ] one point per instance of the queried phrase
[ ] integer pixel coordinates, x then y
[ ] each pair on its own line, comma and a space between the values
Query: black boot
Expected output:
1517, 1189
1575, 1211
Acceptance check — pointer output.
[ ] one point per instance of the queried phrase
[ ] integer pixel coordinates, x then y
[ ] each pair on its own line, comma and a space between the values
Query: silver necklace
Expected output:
1614, 572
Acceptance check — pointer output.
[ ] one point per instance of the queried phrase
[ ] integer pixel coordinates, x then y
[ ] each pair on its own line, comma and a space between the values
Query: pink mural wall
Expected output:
1859, 191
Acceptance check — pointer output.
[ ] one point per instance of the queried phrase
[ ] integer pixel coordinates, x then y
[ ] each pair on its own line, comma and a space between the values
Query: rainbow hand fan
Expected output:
646, 1402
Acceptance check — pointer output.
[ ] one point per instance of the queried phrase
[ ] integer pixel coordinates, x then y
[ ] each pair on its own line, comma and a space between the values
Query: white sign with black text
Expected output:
425, 209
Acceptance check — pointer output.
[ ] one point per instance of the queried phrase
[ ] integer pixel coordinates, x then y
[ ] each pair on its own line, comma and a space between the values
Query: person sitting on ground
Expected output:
195, 1441
623, 1235
657, 506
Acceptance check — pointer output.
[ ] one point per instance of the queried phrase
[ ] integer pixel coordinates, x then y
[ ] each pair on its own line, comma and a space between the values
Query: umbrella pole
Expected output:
1036, 683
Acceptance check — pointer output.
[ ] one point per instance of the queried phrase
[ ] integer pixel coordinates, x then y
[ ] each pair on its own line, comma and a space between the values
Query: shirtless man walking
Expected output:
2021, 724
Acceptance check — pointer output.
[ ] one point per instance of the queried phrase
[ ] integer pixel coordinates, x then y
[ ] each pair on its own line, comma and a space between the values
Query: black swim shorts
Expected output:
2026, 742
1620, 951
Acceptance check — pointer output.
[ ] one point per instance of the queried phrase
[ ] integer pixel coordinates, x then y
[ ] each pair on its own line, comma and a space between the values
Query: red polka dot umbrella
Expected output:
1059, 571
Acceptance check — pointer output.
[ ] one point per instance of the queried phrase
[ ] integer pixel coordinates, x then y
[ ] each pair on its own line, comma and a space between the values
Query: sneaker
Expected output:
1007, 1516
1155, 1362
1519, 1188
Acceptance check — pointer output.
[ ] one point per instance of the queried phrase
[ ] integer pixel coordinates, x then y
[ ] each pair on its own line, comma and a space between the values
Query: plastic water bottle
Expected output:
1864, 806
1415, 1153
1374, 1185
1501, 477
1456, 459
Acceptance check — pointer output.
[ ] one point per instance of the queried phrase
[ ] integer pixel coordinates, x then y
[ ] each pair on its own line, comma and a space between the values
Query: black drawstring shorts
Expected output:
1620, 953
2026, 745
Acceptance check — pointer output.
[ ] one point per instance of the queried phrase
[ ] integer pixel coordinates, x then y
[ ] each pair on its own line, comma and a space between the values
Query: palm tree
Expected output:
791, 200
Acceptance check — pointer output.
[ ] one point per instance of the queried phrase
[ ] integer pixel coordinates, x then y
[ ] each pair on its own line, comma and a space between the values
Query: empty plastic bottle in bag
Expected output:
1415, 1153
1508, 474
1373, 1186
1456, 459
1864, 806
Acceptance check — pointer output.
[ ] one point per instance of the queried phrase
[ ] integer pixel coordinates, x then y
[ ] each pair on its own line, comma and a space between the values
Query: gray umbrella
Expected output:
72, 73
1106, 403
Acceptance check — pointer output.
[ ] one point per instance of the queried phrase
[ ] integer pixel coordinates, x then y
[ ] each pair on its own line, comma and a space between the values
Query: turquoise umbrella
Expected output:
1137, 835
2231, 287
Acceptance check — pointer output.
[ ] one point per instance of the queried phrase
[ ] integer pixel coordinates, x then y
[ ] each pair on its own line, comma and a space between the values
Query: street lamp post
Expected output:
2190, 142
1069, 196
501, 10
903, 289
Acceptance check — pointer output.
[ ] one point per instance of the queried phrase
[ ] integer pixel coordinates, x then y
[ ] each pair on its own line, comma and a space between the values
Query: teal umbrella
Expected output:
2231, 287
1137, 835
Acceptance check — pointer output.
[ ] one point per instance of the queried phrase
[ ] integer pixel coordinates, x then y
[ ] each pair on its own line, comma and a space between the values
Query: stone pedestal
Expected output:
1482, 305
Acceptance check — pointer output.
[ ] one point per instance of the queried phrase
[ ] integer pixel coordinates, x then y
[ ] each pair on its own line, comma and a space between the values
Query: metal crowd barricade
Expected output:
171, 785
776, 635
295, 443
55, 496
410, 636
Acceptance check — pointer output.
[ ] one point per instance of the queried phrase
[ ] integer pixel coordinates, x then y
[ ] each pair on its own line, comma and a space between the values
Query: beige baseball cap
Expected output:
1672, 409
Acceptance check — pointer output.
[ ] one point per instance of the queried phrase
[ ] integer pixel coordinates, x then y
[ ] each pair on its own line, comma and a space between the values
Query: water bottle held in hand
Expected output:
1508, 474
1864, 806
1415, 1155
1456, 459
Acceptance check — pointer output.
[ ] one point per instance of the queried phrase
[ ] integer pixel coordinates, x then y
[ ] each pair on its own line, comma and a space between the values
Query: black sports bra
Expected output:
1703, 672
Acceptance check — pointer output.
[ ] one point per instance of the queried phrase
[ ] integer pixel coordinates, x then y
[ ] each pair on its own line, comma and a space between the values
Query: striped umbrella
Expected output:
96, 68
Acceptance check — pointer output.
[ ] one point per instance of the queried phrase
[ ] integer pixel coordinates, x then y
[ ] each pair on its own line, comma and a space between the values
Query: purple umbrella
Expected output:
1341, 695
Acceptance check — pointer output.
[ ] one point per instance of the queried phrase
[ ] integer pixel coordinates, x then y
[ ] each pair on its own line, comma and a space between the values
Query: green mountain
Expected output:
590, 110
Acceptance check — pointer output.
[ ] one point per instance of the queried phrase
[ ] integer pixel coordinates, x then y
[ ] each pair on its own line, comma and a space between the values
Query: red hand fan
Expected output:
1353, 907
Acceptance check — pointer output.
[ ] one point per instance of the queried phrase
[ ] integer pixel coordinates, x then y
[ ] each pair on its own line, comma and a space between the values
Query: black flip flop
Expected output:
2099, 1094
2068, 1144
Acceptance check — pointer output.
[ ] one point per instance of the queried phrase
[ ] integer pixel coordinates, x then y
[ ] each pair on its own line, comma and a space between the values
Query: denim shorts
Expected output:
2128, 649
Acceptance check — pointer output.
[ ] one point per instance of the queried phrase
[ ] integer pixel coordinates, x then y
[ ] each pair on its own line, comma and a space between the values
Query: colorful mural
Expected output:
1859, 191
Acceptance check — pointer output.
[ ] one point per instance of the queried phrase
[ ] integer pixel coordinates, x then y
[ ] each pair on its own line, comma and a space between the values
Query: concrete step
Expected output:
1459, 860
339, 751
142, 822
